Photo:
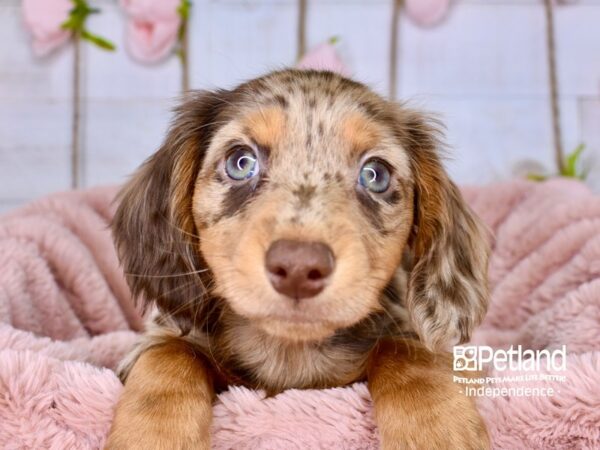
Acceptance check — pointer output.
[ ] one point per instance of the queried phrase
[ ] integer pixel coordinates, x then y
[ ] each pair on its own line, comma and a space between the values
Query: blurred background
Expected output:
75, 113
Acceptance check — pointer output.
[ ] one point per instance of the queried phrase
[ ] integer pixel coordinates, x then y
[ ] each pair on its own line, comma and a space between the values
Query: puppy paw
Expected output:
166, 403
439, 427
136, 429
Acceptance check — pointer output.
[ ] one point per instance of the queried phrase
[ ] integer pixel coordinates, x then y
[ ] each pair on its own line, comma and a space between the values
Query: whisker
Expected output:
139, 275
195, 236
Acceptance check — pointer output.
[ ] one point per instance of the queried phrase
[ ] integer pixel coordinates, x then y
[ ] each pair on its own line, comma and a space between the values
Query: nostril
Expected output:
314, 275
280, 272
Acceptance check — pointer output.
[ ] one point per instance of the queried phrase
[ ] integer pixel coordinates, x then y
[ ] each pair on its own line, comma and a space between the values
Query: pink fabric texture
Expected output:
152, 28
66, 317
43, 19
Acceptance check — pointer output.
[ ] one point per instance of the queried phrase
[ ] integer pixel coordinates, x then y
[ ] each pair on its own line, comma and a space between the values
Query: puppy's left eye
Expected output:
241, 164
375, 176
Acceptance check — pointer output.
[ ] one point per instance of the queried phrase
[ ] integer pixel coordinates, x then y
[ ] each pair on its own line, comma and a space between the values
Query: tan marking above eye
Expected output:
360, 132
266, 125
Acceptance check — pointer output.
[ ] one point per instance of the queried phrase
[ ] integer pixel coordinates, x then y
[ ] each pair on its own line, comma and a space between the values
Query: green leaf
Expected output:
76, 22
84, 8
82, 4
572, 162
98, 40
69, 24
78, 15
536, 177
184, 9
334, 40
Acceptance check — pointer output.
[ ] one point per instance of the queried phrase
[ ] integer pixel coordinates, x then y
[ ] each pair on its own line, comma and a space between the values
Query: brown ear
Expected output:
447, 293
153, 228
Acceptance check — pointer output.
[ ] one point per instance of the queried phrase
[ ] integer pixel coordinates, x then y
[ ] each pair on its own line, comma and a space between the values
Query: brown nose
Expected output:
299, 269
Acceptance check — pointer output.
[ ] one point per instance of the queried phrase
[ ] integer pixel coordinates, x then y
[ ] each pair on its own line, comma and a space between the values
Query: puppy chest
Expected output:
276, 366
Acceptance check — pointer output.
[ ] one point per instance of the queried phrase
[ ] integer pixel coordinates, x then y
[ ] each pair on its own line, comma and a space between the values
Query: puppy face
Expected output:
290, 201
313, 150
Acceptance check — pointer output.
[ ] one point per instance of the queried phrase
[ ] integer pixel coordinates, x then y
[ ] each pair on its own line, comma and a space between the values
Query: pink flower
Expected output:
324, 57
152, 28
43, 19
426, 12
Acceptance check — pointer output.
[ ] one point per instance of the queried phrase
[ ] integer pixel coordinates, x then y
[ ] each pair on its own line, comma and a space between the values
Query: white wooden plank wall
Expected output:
483, 70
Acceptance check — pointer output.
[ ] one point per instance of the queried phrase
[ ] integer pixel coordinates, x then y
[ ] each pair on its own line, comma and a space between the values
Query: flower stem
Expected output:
559, 154
185, 65
76, 113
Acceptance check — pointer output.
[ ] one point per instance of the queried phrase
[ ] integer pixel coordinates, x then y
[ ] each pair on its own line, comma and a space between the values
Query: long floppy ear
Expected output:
153, 228
447, 291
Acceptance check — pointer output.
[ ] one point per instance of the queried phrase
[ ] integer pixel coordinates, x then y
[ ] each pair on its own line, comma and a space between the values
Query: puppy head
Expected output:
290, 201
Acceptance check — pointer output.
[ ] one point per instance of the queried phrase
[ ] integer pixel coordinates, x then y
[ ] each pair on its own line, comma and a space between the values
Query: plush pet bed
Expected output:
66, 319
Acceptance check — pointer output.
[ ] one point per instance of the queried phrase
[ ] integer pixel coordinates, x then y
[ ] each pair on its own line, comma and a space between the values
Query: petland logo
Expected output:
475, 358
514, 371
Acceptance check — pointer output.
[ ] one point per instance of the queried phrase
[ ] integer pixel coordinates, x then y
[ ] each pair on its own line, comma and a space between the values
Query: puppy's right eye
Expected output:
241, 164
375, 176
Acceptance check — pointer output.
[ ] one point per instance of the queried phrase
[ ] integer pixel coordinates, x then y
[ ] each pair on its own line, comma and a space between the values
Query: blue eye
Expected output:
375, 176
241, 164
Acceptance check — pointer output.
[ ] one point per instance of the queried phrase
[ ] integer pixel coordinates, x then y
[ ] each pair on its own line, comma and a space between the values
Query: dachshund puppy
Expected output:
299, 231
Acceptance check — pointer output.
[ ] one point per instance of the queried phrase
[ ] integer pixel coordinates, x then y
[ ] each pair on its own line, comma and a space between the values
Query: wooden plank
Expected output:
478, 51
115, 74
23, 75
34, 114
231, 43
34, 147
120, 135
489, 138
500, 51
589, 117
578, 47
363, 29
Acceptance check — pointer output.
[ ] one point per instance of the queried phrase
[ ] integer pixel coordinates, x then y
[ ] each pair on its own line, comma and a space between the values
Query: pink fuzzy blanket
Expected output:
66, 319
